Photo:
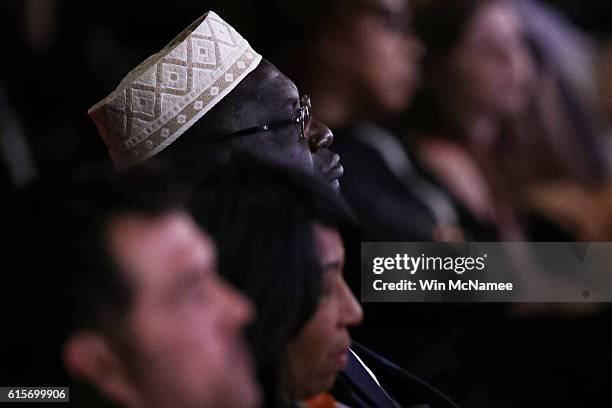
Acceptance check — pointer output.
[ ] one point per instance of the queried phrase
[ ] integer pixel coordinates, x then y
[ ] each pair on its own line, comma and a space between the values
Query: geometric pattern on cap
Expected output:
168, 92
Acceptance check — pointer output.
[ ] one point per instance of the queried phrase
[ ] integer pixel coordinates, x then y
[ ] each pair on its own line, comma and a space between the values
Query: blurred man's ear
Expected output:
89, 357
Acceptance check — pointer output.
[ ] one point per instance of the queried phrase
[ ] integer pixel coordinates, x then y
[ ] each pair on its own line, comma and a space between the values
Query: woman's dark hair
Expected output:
261, 218
440, 25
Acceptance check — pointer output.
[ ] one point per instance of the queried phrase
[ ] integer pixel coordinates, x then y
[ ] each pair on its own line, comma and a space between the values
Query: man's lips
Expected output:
335, 170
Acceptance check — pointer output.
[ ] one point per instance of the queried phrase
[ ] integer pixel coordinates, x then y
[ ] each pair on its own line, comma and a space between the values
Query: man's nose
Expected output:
239, 310
319, 136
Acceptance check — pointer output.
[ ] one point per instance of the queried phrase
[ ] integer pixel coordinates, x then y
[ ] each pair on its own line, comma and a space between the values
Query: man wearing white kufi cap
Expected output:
208, 89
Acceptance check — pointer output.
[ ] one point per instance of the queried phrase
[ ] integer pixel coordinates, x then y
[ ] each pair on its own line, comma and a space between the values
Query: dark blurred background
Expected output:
61, 57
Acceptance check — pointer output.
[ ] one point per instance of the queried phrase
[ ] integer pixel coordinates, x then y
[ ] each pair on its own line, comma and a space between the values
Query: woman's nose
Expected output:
352, 312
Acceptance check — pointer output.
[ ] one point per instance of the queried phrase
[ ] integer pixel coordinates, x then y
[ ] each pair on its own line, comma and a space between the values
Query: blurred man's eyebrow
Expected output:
333, 265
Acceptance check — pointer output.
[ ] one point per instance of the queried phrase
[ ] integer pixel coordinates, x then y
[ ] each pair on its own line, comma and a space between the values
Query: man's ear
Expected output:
88, 356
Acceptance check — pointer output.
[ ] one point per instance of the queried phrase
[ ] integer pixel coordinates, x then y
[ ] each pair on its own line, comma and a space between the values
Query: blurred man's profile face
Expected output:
185, 325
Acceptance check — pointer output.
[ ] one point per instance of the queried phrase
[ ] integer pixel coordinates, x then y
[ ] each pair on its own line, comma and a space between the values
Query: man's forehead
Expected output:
151, 249
263, 95
274, 82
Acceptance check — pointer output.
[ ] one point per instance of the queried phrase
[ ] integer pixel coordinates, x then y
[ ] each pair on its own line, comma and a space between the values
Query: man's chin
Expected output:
245, 392
248, 393
335, 184
250, 396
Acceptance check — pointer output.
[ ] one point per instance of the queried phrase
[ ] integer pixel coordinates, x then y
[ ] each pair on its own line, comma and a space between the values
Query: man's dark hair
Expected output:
262, 218
62, 276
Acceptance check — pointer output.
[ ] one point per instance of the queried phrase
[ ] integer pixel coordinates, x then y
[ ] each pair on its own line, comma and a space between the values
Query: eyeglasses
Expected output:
300, 118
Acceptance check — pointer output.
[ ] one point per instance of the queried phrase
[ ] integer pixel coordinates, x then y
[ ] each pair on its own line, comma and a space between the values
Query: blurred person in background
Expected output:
568, 51
17, 166
281, 238
585, 208
605, 95
485, 92
359, 60
494, 98
564, 119
114, 292
477, 77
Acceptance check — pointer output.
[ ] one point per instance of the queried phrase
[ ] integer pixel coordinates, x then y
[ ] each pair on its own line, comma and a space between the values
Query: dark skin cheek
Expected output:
322, 160
294, 155
300, 154
266, 96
